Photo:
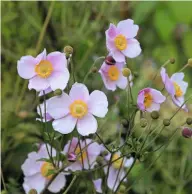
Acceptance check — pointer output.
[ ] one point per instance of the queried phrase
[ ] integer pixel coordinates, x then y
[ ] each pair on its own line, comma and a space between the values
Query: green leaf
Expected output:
44, 160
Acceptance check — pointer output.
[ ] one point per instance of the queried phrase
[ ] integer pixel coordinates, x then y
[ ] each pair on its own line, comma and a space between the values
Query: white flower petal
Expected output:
65, 125
87, 125
98, 103
38, 83
122, 82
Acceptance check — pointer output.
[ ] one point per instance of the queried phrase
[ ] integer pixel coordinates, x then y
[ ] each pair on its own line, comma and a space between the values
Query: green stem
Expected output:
70, 185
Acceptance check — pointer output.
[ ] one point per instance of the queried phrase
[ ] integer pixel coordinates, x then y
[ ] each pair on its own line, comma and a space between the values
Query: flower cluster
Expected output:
74, 111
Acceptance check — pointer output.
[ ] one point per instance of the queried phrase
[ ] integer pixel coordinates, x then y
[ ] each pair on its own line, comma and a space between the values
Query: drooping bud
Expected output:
189, 121
187, 132
57, 92
99, 160
166, 122
94, 70
68, 50
126, 72
72, 157
190, 62
155, 115
32, 191
125, 123
172, 60
109, 60
143, 122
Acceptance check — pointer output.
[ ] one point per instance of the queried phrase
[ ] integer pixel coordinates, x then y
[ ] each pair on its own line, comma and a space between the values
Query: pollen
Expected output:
118, 163
46, 166
120, 42
44, 69
178, 91
81, 155
78, 109
113, 73
148, 100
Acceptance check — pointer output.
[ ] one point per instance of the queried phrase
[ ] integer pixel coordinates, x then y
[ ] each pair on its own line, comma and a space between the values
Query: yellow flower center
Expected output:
44, 69
78, 109
45, 168
118, 163
82, 155
120, 42
148, 100
178, 91
113, 73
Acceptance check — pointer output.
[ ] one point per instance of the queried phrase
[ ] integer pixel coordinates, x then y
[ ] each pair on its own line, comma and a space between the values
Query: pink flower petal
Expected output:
58, 183
122, 82
157, 96
26, 67
179, 102
47, 91
110, 45
79, 92
110, 85
38, 83
177, 77
97, 185
59, 80
98, 104
58, 60
87, 125
65, 125
111, 32
133, 48
72, 145
112, 178
140, 100
41, 56
153, 107
118, 56
58, 106
127, 28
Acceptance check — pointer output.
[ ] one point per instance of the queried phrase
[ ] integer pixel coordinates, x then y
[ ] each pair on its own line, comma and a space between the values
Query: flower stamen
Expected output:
113, 73
78, 109
148, 100
178, 91
120, 42
45, 168
44, 69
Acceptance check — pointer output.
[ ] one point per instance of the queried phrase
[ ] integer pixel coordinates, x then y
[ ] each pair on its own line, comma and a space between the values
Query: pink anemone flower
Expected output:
77, 108
176, 87
36, 172
112, 75
121, 40
150, 99
90, 151
45, 72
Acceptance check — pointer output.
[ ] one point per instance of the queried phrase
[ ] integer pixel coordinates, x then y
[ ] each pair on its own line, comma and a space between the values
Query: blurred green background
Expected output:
165, 32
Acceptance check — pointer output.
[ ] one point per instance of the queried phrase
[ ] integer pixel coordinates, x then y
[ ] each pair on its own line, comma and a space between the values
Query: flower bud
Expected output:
166, 122
143, 122
126, 72
172, 60
32, 191
122, 189
109, 60
189, 121
99, 160
72, 157
190, 62
125, 123
58, 92
135, 74
187, 132
94, 70
104, 153
155, 115
68, 50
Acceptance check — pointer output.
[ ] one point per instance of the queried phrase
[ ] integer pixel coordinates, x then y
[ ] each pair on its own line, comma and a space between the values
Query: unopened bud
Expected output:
99, 160
104, 153
57, 92
126, 72
155, 115
125, 123
189, 121
32, 191
143, 122
94, 70
68, 50
72, 157
122, 189
172, 60
187, 132
190, 62
135, 74
109, 60
166, 122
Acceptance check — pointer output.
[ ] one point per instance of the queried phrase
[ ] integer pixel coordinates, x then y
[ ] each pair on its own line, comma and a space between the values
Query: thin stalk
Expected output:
3, 180
184, 67
81, 152
102, 142
70, 185
106, 178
